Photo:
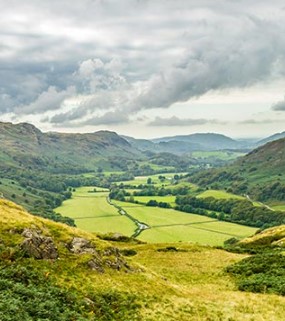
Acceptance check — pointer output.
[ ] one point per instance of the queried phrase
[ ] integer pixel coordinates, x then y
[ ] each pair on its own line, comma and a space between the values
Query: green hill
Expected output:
260, 173
49, 271
24, 146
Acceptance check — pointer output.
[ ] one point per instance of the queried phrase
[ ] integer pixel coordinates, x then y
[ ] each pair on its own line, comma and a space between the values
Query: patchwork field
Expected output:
168, 225
92, 212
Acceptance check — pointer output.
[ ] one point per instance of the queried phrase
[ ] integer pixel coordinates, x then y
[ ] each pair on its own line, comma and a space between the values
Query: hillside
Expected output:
271, 138
23, 145
260, 173
53, 272
205, 141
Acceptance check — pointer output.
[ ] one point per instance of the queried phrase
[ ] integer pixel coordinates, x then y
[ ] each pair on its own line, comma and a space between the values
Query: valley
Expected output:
184, 225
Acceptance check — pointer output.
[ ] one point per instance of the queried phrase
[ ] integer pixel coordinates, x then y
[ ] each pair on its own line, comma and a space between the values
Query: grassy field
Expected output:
154, 179
278, 207
189, 284
168, 199
219, 195
168, 225
217, 155
92, 212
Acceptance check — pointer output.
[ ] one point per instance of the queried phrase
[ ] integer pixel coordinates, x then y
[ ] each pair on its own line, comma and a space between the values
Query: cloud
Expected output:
109, 118
261, 121
51, 99
175, 121
279, 106
128, 56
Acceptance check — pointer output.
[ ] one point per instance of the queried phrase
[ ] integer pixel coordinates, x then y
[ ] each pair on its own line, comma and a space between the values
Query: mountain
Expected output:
205, 141
49, 271
25, 145
185, 144
260, 173
270, 138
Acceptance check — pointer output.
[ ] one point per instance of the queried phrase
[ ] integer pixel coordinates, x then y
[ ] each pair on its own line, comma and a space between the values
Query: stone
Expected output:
38, 246
80, 245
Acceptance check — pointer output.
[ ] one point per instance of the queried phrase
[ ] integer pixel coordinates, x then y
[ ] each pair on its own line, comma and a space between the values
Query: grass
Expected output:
187, 285
168, 199
154, 178
168, 225
219, 195
13, 191
217, 155
92, 212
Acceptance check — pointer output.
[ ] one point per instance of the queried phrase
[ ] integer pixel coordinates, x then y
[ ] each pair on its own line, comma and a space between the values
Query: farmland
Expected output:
219, 195
92, 212
168, 225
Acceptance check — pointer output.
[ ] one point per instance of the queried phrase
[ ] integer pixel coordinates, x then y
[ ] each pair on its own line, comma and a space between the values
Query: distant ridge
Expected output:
25, 145
271, 138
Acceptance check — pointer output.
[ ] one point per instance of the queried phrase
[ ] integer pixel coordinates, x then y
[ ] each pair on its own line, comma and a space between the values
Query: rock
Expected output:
38, 246
96, 265
80, 245
115, 260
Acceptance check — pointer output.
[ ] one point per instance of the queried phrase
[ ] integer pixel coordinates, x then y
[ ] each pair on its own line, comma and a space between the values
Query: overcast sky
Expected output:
144, 68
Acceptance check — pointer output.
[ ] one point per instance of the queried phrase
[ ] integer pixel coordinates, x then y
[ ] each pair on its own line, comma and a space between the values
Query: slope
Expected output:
260, 173
23, 145
271, 138
91, 279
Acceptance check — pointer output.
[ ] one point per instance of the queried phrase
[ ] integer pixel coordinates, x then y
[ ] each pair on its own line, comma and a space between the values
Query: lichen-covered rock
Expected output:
79, 245
38, 246
96, 265
114, 260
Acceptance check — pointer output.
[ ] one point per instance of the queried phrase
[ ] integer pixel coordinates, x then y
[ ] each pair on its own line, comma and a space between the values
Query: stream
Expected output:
140, 225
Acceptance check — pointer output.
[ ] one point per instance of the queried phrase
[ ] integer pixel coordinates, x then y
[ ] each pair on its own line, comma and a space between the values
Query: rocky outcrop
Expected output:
79, 245
101, 259
38, 246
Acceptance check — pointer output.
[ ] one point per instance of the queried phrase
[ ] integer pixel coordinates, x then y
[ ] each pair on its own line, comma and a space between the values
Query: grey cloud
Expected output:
138, 54
175, 121
261, 121
279, 106
109, 118
216, 63
46, 101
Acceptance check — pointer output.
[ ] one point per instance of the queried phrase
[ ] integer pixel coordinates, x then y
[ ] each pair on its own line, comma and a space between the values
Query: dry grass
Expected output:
185, 285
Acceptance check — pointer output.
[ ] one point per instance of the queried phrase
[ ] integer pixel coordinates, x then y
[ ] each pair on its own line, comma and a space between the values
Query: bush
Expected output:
264, 272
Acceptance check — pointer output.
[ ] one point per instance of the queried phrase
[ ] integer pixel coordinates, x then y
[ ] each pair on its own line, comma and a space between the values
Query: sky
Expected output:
144, 68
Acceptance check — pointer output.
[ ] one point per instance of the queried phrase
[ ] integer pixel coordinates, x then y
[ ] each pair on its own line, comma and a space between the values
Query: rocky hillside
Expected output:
49, 271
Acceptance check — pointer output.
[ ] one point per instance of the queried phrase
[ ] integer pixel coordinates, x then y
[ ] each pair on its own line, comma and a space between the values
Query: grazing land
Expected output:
168, 225
93, 213
219, 195
145, 199
142, 180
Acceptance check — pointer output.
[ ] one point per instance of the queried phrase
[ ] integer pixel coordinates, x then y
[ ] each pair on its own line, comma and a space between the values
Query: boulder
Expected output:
79, 245
37, 246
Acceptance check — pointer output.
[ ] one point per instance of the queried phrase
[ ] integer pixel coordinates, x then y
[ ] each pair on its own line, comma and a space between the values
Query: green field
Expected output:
227, 155
144, 199
219, 195
92, 212
168, 225
142, 180
278, 207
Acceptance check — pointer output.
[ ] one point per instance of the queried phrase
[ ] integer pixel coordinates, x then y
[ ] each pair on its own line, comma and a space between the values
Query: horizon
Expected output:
149, 138
144, 69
